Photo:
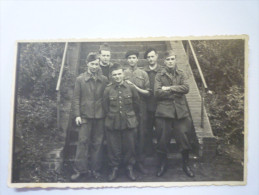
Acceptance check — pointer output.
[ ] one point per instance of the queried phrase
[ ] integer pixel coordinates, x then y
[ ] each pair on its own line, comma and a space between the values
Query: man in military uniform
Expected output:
105, 57
172, 116
139, 79
121, 102
151, 69
89, 116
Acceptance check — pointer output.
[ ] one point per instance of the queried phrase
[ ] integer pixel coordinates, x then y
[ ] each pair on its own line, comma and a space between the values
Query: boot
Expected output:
130, 173
163, 164
114, 174
141, 168
75, 176
186, 168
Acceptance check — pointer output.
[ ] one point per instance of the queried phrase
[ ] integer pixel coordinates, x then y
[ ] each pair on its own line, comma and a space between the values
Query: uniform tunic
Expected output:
87, 104
121, 102
140, 78
151, 106
172, 116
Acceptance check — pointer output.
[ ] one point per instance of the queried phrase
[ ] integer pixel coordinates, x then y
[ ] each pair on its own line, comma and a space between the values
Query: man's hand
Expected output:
129, 82
78, 121
164, 88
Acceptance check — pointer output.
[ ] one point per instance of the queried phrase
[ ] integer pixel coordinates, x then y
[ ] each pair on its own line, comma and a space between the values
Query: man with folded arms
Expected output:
172, 116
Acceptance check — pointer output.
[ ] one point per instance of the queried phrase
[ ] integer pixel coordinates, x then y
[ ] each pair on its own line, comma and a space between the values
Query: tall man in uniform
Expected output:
139, 79
121, 103
89, 116
172, 116
105, 57
151, 69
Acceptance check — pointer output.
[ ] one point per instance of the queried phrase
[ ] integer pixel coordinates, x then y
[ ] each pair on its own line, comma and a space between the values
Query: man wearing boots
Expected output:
121, 103
89, 116
172, 116
151, 69
139, 79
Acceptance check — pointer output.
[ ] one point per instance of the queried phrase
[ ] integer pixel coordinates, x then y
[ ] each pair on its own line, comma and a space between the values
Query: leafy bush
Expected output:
222, 63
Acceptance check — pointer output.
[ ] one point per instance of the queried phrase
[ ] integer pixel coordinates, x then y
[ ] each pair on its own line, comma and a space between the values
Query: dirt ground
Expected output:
227, 165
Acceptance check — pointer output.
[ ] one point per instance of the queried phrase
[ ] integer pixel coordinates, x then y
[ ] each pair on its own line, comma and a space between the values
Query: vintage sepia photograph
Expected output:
130, 112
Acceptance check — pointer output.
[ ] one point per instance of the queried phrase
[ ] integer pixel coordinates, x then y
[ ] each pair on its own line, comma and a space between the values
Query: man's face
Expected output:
105, 56
93, 66
152, 58
170, 61
132, 60
118, 75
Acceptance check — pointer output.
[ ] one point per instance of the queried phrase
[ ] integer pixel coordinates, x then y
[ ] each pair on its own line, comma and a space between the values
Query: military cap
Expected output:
148, 51
92, 56
104, 47
131, 52
115, 66
169, 53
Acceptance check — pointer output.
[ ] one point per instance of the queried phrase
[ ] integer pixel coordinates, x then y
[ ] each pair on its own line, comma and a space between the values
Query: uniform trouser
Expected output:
141, 134
121, 147
90, 143
166, 128
150, 131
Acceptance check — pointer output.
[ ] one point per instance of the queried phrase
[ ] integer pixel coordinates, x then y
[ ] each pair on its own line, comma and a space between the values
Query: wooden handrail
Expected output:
58, 85
62, 67
198, 65
204, 86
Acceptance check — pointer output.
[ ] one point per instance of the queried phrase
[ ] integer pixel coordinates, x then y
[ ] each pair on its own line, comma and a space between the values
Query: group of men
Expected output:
124, 107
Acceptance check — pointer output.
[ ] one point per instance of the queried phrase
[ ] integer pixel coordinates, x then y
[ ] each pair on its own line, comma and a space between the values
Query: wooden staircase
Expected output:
204, 141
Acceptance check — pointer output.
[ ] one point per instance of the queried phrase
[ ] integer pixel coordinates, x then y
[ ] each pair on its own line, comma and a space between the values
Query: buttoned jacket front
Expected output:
171, 103
121, 102
88, 96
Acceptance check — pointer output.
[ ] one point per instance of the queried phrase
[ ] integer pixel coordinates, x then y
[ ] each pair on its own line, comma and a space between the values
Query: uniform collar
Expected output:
89, 76
105, 65
165, 71
133, 69
121, 85
147, 68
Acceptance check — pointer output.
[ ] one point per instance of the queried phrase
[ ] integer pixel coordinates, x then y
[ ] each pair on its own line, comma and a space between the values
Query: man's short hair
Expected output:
104, 47
148, 51
92, 56
115, 66
169, 53
131, 52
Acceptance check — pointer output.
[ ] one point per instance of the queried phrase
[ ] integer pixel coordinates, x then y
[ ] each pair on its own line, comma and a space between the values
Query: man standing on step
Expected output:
121, 103
89, 116
172, 116
105, 57
139, 79
151, 69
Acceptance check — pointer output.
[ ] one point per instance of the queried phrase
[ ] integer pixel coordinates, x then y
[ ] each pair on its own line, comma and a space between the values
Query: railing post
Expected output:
58, 85
188, 52
202, 106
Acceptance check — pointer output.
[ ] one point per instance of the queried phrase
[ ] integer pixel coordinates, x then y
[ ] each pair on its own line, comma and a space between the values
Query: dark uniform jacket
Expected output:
138, 77
106, 70
151, 100
171, 103
88, 96
121, 102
